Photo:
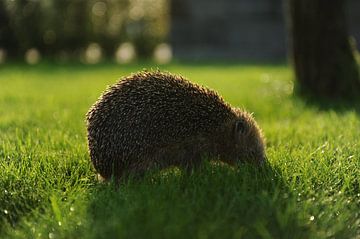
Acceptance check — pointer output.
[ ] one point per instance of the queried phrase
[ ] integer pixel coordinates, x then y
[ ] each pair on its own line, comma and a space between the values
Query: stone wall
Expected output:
236, 29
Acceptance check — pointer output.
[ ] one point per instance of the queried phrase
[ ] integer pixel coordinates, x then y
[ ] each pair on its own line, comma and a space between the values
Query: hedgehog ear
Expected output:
240, 127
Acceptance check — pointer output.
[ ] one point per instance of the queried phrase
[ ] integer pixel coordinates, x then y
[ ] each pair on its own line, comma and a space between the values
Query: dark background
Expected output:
201, 29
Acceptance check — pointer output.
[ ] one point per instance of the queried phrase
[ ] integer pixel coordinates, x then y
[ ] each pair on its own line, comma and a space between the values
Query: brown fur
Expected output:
159, 119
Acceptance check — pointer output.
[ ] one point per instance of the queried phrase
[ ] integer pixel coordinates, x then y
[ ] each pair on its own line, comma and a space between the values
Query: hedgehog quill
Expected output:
157, 119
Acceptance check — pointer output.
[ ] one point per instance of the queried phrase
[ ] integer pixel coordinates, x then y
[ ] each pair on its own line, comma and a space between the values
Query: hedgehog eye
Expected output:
240, 127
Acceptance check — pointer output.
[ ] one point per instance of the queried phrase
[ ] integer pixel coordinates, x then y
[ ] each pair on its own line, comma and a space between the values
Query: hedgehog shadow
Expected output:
215, 192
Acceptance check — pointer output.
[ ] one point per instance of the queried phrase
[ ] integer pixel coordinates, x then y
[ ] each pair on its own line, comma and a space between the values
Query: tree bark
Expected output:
320, 50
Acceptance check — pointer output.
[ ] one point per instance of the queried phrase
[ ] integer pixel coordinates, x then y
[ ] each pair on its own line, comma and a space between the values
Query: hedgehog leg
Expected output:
138, 168
114, 172
191, 160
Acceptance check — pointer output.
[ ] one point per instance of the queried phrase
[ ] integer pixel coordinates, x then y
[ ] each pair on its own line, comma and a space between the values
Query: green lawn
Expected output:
309, 189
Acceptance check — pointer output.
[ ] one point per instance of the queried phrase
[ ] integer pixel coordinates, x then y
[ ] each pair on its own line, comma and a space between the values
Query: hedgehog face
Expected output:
248, 139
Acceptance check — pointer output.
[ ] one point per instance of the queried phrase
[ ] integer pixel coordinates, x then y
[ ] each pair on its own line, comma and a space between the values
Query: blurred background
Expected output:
88, 30
125, 30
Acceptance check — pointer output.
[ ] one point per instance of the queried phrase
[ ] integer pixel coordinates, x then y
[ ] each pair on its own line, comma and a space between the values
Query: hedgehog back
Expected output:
149, 110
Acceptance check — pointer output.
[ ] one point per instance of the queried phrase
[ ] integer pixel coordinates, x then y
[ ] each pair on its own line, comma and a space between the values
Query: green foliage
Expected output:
310, 187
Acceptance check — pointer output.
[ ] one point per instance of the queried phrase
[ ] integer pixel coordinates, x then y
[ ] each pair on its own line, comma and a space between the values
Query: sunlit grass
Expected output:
309, 189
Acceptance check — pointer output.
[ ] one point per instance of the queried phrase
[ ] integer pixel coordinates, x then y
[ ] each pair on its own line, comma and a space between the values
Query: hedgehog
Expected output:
158, 119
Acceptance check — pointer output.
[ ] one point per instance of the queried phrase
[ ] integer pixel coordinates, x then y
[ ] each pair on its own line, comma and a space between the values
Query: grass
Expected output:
309, 189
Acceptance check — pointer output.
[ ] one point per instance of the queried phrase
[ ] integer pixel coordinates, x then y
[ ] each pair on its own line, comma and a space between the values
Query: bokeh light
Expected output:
93, 53
125, 53
163, 53
99, 9
2, 55
32, 56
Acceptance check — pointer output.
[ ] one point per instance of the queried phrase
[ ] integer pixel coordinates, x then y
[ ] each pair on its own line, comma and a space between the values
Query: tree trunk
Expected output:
321, 53
7, 38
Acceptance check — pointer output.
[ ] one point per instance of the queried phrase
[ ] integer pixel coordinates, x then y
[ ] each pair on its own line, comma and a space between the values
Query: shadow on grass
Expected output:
322, 104
215, 202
